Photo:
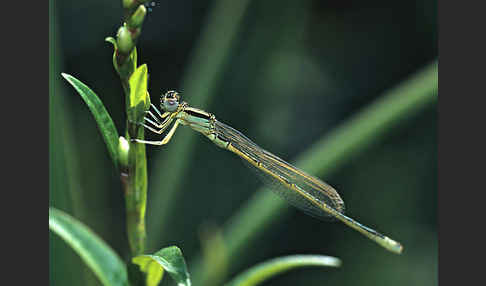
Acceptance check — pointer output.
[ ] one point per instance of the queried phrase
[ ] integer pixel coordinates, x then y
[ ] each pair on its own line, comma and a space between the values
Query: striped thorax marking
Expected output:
197, 113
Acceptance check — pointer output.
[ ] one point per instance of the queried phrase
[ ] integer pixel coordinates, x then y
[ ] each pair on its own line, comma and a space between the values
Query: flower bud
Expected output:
136, 19
123, 151
124, 40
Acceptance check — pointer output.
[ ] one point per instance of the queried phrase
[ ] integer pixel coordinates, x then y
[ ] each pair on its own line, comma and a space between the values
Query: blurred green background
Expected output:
283, 73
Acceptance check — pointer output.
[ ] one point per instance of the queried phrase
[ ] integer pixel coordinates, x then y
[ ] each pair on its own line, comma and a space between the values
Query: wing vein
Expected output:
294, 185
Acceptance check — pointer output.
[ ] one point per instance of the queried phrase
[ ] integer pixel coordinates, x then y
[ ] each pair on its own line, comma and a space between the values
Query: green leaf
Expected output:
139, 98
169, 259
104, 262
103, 119
263, 271
154, 272
111, 40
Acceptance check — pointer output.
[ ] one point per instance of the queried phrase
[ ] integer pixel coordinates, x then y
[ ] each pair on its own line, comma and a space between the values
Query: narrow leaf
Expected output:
266, 270
103, 119
111, 40
138, 93
169, 259
104, 262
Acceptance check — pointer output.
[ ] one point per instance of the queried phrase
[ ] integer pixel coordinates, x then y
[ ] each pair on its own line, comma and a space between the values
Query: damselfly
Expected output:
300, 189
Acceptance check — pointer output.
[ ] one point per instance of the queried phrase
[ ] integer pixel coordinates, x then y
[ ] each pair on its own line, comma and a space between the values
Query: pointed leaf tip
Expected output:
101, 115
111, 40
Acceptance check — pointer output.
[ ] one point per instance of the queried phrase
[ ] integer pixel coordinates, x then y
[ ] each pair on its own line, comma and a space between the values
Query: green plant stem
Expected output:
134, 181
326, 156
133, 175
199, 83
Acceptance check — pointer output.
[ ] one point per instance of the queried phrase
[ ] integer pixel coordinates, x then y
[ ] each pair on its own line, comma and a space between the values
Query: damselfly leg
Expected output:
167, 118
158, 123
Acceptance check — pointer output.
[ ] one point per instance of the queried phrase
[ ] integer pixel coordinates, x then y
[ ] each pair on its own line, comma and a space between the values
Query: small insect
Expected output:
300, 189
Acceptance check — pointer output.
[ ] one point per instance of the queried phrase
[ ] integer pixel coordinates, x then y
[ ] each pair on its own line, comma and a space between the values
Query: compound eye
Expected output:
171, 104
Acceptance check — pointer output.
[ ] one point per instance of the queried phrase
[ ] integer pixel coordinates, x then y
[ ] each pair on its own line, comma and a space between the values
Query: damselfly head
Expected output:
170, 101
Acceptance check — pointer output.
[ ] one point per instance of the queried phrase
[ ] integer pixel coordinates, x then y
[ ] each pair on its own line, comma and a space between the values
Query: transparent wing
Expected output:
294, 185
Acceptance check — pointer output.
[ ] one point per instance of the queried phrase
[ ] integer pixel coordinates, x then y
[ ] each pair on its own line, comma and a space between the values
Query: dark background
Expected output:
295, 71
